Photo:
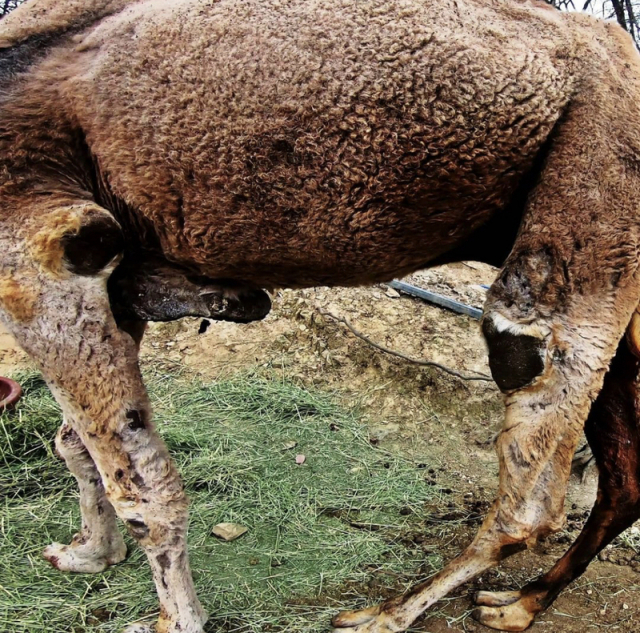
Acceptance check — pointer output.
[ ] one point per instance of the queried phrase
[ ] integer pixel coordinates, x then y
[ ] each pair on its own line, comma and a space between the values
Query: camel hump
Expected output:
43, 17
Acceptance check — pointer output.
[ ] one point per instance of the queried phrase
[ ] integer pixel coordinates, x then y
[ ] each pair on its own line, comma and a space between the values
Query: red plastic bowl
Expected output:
10, 393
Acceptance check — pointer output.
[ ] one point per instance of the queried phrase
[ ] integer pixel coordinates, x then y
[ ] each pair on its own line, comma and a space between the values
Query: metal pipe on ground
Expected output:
436, 299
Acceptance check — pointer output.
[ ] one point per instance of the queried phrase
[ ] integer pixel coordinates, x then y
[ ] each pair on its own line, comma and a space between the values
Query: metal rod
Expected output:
439, 300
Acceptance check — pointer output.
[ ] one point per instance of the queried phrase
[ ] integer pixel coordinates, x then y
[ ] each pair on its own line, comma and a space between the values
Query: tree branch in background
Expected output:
8, 5
563, 5
415, 361
619, 12
633, 23
625, 12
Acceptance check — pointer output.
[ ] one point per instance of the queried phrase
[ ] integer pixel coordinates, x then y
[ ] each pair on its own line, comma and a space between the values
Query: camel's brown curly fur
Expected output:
247, 144
296, 143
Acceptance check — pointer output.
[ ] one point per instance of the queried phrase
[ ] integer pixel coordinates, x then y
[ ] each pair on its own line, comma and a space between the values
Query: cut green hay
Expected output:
316, 531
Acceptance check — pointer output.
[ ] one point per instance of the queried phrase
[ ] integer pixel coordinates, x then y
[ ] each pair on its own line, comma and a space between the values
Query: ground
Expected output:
399, 469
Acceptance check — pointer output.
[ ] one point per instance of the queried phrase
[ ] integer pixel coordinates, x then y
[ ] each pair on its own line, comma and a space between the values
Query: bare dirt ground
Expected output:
445, 424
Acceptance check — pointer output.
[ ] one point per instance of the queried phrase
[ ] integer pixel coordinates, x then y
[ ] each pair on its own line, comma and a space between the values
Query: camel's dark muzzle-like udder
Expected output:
156, 290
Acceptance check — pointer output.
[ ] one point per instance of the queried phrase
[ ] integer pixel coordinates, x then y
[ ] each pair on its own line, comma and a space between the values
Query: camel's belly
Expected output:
308, 142
338, 245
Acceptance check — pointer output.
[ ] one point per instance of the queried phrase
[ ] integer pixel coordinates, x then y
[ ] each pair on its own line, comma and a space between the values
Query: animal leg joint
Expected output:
136, 419
137, 528
96, 243
516, 353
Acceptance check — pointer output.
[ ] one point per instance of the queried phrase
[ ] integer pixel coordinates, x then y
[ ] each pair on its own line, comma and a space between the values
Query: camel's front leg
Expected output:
550, 370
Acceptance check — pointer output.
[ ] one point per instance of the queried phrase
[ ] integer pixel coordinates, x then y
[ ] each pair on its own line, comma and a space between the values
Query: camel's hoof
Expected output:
512, 617
139, 627
371, 620
168, 626
353, 618
192, 621
81, 559
496, 598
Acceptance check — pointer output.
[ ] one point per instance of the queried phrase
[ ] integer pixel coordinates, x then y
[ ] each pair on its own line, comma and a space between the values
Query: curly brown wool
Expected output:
210, 150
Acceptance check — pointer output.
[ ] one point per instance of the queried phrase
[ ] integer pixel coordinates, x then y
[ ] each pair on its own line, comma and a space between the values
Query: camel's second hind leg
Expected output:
613, 431
99, 542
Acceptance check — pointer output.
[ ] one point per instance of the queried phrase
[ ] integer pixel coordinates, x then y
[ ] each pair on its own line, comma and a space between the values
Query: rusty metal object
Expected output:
10, 393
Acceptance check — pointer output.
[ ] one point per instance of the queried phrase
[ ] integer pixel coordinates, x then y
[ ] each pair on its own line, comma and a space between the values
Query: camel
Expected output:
164, 158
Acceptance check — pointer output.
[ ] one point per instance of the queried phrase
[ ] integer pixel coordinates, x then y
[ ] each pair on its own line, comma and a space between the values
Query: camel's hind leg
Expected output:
54, 301
613, 431
99, 543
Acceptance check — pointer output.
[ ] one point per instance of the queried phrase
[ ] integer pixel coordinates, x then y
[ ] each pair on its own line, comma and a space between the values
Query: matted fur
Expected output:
305, 142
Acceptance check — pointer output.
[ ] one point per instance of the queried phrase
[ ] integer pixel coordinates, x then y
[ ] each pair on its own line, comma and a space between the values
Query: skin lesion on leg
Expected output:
145, 490
99, 543
543, 425
143, 486
612, 430
109, 443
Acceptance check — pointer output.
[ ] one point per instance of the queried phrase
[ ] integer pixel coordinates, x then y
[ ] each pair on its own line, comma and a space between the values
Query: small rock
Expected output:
392, 293
229, 531
300, 459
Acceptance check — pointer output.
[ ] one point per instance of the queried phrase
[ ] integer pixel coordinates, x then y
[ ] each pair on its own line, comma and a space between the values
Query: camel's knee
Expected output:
68, 444
152, 527
517, 352
510, 528
522, 530
151, 509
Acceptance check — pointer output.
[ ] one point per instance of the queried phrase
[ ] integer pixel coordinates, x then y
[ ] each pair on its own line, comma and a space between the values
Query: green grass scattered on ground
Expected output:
315, 530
